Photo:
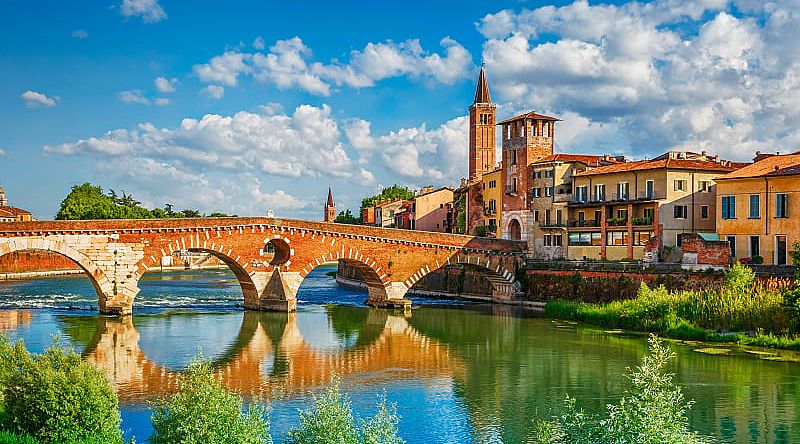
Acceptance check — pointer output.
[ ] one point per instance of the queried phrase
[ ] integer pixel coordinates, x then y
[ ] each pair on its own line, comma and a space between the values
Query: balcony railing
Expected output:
615, 198
488, 211
581, 223
553, 224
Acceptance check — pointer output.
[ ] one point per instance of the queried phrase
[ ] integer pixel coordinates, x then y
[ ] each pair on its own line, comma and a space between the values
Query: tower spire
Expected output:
330, 197
330, 208
482, 90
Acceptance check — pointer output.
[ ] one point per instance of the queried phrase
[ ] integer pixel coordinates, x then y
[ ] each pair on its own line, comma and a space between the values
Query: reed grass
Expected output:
757, 314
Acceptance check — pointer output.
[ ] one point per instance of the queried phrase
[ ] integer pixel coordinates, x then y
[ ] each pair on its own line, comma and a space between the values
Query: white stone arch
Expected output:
102, 285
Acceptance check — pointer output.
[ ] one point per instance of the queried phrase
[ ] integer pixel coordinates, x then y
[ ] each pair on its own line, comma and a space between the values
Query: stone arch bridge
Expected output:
270, 257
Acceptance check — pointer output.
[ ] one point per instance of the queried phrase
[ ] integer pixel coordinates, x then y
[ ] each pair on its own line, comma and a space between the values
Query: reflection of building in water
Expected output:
270, 357
13, 319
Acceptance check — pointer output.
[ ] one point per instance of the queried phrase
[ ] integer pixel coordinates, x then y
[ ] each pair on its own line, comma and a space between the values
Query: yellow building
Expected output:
759, 208
431, 208
492, 200
615, 210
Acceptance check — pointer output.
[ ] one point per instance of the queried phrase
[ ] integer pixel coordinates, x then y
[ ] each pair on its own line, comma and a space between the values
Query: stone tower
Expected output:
3, 199
482, 157
330, 208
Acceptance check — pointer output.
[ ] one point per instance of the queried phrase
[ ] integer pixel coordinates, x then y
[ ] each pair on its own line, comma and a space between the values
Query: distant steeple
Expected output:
3, 200
330, 208
482, 90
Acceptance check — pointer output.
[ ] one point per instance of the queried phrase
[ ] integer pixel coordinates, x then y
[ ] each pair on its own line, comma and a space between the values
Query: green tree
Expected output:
56, 397
390, 193
331, 420
653, 411
203, 411
740, 278
87, 202
346, 217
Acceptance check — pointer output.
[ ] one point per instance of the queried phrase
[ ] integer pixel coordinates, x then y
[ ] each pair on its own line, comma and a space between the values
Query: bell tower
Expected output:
482, 157
330, 208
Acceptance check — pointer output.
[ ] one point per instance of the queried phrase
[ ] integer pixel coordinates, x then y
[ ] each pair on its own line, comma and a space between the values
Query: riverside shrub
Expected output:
55, 397
652, 411
331, 420
203, 411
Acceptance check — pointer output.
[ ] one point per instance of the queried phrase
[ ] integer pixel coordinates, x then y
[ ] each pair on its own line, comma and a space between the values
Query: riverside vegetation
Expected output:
741, 311
56, 397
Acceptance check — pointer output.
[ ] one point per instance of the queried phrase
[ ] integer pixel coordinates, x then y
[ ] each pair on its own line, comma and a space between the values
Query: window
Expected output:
581, 193
650, 213
537, 192
559, 217
492, 205
755, 206
732, 244
536, 215
548, 240
704, 212
600, 193
729, 207
558, 240
484, 119
492, 184
680, 185
513, 156
781, 205
514, 185
547, 217
704, 186
681, 211
617, 238
549, 173
537, 174
585, 239
755, 246
642, 237
548, 191
650, 191
622, 191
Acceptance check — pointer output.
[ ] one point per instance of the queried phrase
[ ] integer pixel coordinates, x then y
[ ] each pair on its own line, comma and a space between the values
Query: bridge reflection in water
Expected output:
270, 356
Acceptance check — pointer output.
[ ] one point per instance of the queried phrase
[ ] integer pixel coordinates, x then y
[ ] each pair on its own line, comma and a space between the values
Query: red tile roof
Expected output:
778, 165
530, 115
588, 159
13, 211
677, 164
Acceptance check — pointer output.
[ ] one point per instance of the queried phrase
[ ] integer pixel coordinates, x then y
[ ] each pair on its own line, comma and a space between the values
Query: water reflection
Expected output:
273, 354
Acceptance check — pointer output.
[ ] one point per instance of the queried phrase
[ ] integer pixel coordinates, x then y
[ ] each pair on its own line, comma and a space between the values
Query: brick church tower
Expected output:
482, 157
330, 208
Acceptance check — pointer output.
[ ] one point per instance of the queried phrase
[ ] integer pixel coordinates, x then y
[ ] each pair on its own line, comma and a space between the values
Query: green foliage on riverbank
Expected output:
332, 420
90, 202
652, 411
203, 411
55, 397
757, 315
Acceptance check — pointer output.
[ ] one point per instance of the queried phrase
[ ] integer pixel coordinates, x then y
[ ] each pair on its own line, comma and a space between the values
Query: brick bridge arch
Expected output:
391, 260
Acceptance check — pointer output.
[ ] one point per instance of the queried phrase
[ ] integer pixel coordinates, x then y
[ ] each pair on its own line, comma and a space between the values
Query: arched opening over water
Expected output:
60, 258
277, 252
197, 277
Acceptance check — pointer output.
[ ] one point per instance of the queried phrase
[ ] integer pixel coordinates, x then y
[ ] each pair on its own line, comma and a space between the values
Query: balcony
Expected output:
489, 212
614, 198
552, 224
584, 223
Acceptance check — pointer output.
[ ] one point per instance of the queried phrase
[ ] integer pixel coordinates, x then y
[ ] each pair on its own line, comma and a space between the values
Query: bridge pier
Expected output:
392, 296
276, 291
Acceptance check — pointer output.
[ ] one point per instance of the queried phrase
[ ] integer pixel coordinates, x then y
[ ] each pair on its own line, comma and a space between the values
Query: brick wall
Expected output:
31, 261
698, 251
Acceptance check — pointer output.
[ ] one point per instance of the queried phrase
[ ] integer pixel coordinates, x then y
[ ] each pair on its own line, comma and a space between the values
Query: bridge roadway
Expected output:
269, 256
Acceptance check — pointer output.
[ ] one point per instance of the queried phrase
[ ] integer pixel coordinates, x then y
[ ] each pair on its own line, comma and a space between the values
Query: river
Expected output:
458, 372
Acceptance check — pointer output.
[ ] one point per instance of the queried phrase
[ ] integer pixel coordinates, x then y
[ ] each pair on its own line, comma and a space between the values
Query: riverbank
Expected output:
742, 312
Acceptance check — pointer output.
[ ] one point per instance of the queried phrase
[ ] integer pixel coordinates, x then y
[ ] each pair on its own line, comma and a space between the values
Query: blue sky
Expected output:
246, 107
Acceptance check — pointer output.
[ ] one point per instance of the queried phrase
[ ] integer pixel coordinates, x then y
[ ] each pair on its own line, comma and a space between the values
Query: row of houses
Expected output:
604, 207
9, 213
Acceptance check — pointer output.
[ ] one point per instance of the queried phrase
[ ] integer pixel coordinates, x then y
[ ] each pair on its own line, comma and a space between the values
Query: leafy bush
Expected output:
203, 411
653, 411
56, 396
740, 278
332, 421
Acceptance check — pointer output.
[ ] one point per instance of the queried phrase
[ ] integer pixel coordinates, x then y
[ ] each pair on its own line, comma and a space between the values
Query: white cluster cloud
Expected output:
438, 155
136, 96
287, 65
2, 152
666, 74
214, 92
33, 99
149, 10
80, 34
165, 85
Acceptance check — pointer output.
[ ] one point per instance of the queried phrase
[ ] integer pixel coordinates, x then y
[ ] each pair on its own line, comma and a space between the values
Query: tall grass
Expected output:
742, 305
